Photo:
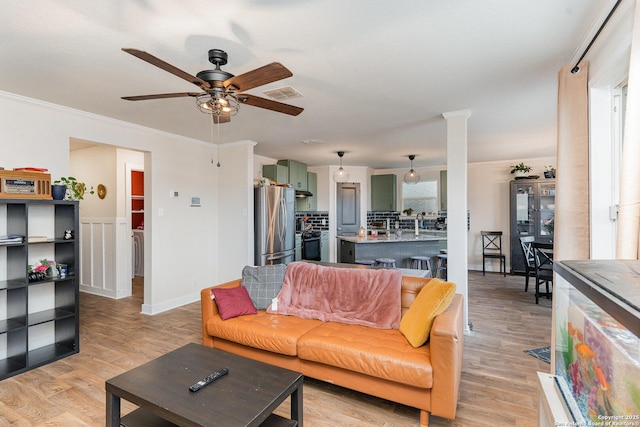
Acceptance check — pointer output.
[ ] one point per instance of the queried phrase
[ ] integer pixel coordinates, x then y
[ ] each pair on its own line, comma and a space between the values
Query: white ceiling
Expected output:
375, 75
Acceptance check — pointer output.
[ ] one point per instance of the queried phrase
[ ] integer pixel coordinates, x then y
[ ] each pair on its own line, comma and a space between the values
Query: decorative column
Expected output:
457, 232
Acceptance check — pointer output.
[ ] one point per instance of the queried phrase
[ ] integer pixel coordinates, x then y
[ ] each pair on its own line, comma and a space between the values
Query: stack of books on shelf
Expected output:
11, 238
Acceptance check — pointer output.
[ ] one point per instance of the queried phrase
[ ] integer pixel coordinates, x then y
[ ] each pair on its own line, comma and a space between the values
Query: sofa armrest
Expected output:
447, 347
210, 309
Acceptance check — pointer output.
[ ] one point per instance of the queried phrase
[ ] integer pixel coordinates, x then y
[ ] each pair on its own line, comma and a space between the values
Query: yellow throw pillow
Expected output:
433, 299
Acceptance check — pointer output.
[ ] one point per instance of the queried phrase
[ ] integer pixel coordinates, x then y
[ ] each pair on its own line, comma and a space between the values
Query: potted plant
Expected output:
549, 172
520, 169
74, 189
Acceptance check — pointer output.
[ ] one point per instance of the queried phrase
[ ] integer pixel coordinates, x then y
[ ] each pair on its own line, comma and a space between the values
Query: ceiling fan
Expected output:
221, 95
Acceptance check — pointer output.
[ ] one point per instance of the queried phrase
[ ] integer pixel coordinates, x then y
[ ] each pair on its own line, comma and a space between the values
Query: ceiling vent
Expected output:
281, 93
312, 141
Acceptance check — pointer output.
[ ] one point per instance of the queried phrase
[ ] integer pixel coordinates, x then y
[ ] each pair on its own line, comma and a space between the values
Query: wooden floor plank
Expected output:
498, 386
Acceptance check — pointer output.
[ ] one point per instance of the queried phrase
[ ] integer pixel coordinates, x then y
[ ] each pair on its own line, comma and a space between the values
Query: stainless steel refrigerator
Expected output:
274, 225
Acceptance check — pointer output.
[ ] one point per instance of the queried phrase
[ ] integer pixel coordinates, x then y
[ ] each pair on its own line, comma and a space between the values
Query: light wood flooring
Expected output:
499, 386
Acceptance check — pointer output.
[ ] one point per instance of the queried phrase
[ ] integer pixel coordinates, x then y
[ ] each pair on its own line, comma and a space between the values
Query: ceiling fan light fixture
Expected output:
209, 104
341, 174
412, 177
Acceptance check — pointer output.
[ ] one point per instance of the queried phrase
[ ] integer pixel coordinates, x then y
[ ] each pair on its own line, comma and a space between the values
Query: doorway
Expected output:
105, 222
135, 210
347, 209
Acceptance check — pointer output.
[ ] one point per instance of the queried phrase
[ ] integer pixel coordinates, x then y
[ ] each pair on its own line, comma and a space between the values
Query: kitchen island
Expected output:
400, 248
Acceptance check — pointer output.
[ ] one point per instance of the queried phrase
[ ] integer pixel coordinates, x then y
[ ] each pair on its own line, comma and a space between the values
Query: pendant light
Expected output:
340, 175
412, 177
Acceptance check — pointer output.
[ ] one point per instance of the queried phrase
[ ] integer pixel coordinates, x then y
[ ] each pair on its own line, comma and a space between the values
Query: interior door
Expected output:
348, 209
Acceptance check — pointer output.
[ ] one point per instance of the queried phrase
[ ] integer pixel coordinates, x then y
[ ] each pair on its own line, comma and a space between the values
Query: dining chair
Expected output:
492, 249
543, 256
526, 243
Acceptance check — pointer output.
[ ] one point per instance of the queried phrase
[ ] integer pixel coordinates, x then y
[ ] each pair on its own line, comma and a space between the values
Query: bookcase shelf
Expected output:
39, 320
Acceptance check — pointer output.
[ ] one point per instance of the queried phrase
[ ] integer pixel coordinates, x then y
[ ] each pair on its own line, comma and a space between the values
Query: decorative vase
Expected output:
58, 191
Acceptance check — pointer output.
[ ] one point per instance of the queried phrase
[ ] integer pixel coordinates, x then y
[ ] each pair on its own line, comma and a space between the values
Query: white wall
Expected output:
182, 243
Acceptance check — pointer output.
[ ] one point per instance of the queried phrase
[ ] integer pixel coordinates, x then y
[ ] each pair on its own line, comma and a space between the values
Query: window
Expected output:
421, 197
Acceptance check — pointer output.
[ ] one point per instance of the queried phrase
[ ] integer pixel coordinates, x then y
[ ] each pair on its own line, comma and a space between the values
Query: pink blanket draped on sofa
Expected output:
365, 297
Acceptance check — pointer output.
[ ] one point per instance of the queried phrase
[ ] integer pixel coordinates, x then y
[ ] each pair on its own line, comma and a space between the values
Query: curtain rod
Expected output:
577, 68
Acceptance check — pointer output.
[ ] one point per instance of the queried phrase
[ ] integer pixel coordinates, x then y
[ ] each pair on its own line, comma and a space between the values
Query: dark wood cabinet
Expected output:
39, 319
532, 213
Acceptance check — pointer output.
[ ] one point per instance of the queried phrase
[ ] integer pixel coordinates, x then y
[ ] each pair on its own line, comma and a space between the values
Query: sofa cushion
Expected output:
433, 299
381, 353
263, 283
270, 332
233, 302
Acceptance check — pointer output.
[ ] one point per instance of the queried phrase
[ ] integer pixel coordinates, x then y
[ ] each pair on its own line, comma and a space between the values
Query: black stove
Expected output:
311, 245
307, 234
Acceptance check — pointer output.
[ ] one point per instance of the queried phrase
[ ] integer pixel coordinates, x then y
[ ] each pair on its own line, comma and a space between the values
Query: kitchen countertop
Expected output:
406, 237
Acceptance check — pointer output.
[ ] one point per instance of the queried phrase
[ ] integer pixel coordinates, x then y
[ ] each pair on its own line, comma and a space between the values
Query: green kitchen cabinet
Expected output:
383, 192
443, 190
276, 172
297, 173
324, 246
309, 203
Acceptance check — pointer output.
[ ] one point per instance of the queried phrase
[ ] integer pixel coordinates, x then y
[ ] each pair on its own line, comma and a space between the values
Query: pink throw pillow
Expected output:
233, 302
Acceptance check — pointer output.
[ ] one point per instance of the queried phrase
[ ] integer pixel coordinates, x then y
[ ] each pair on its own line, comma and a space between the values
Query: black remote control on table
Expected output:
208, 380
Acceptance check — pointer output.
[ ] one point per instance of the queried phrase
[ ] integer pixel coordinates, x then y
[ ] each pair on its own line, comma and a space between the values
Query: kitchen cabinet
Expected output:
443, 190
278, 173
39, 320
324, 246
297, 173
309, 203
383, 192
532, 213
298, 251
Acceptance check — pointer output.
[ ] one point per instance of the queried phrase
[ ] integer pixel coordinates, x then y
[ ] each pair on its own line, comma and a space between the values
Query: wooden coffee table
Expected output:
247, 396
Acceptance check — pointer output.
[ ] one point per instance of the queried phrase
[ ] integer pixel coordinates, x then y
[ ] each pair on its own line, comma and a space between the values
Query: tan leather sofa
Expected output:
379, 362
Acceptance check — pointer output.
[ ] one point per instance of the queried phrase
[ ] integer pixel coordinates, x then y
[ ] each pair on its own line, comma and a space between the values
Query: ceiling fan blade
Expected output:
258, 77
160, 96
222, 118
257, 101
167, 67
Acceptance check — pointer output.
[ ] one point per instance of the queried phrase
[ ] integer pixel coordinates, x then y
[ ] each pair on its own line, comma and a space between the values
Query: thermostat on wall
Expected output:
195, 201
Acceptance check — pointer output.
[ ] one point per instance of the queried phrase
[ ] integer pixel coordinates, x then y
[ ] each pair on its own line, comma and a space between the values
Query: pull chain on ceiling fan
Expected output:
221, 95
218, 127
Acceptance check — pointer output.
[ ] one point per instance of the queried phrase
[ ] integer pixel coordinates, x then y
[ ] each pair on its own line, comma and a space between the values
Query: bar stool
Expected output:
442, 266
365, 262
419, 261
386, 262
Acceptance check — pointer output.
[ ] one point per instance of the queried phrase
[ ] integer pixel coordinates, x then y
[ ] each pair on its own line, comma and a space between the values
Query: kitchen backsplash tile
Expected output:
376, 217
319, 220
